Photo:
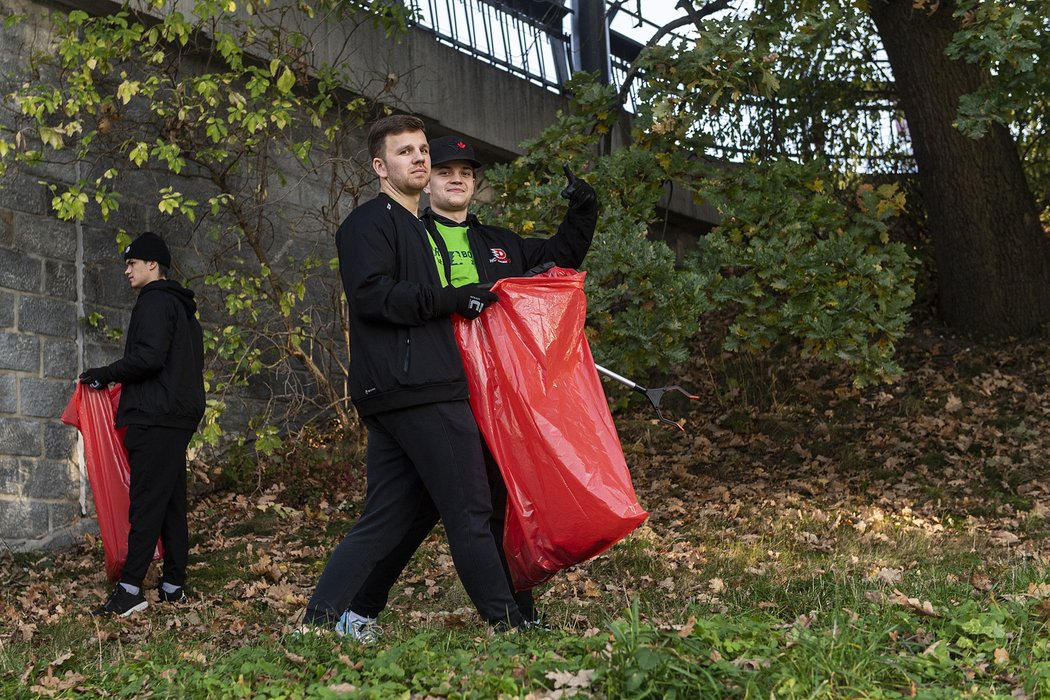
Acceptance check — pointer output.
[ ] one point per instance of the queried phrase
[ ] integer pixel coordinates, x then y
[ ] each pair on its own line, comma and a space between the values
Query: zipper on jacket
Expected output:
408, 353
480, 261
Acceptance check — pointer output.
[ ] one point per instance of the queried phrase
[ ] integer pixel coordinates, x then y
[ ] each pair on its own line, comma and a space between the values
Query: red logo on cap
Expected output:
461, 145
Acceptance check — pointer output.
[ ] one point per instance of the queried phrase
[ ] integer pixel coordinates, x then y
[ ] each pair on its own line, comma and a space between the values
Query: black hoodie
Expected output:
162, 371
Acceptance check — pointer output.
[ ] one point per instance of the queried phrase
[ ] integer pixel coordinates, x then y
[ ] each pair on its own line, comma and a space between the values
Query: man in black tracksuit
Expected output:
466, 252
409, 387
161, 404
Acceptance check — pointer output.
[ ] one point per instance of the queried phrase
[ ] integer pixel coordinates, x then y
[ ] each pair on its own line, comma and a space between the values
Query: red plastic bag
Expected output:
92, 412
542, 411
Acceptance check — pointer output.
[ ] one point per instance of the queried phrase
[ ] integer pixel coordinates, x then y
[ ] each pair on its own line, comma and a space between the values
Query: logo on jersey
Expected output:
499, 256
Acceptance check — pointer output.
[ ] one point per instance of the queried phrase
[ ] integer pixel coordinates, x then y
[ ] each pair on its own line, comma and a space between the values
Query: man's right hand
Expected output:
95, 378
472, 299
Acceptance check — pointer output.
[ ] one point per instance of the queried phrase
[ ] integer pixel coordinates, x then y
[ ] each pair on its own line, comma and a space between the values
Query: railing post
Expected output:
591, 37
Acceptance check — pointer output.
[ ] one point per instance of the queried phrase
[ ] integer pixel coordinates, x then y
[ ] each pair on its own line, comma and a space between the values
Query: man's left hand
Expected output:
582, 195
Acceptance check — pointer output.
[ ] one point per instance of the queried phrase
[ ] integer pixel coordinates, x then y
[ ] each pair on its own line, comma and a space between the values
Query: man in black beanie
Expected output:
161, 404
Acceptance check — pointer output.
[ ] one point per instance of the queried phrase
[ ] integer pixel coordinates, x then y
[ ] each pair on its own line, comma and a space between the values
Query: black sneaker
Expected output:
176, 596
122, 603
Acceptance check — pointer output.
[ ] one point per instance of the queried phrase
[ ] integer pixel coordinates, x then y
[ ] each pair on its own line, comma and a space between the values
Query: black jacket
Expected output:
499, 252
402, 348
162, 371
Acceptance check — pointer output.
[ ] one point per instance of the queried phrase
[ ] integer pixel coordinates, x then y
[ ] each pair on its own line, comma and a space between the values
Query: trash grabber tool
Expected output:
654, 395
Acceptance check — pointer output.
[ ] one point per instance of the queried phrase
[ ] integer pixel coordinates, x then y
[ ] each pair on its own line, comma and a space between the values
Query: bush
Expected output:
800, 262
317, 464
795, 259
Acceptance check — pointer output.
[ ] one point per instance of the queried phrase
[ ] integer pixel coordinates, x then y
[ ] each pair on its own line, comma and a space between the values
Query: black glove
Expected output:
539, 269
472, 299
96, 378
578, 192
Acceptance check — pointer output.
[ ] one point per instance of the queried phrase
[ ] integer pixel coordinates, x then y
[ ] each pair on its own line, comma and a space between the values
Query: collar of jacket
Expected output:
431, 215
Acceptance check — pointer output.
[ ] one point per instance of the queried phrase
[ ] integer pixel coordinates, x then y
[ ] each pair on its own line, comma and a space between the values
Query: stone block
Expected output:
7, 227
43, 398
131, 217
60, 358
112, 318
20, 271
23, 519
7, 310
47, 316
106, 286
23, 193
19, 352
21, 437
60, 440
8, 393
64, 515
60, 280
100, 246
50, 479
45, 236
11, 477
101, 355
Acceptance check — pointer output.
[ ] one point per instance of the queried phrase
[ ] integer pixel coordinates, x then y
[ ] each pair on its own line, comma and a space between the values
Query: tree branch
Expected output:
693, 16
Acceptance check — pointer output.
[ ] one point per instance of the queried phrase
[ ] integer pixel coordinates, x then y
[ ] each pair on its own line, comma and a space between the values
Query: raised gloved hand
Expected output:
96, 378
472, 299
578, 192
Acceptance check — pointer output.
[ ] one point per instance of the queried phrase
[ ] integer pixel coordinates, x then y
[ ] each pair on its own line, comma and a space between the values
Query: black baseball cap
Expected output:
445, 149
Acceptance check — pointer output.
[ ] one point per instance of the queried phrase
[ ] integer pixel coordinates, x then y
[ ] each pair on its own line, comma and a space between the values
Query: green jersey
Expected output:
460, 255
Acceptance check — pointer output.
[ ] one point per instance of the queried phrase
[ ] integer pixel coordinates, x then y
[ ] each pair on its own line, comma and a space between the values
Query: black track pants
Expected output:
157, 457
418, 455
372, 598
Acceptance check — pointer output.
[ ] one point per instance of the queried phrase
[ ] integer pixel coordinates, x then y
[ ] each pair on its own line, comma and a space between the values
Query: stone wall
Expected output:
40, 485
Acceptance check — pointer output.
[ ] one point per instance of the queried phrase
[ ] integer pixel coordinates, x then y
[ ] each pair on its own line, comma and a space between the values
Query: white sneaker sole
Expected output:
138, 608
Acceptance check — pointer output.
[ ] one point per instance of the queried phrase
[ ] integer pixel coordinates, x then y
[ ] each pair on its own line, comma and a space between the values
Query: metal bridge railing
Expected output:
498, 34
513, 36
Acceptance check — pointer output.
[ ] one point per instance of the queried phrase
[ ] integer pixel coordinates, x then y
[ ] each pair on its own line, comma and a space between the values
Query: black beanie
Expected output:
149, 246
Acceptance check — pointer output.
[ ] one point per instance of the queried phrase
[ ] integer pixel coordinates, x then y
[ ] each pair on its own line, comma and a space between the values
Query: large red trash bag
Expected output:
92, 412
542, 411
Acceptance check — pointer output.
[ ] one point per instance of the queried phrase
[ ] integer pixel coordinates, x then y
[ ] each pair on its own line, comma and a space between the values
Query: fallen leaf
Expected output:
1042, 608
343, 688
1005, 537
888, 576
568, 679
923, 607
61, 659
980, 581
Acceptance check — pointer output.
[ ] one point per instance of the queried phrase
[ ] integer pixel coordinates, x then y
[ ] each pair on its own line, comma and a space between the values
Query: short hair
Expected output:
390, 126
163, 270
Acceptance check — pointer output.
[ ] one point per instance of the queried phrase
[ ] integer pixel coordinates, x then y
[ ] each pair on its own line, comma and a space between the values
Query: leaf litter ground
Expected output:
921, 498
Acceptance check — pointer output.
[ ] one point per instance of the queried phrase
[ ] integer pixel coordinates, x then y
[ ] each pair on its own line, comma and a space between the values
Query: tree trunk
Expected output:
993, 258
